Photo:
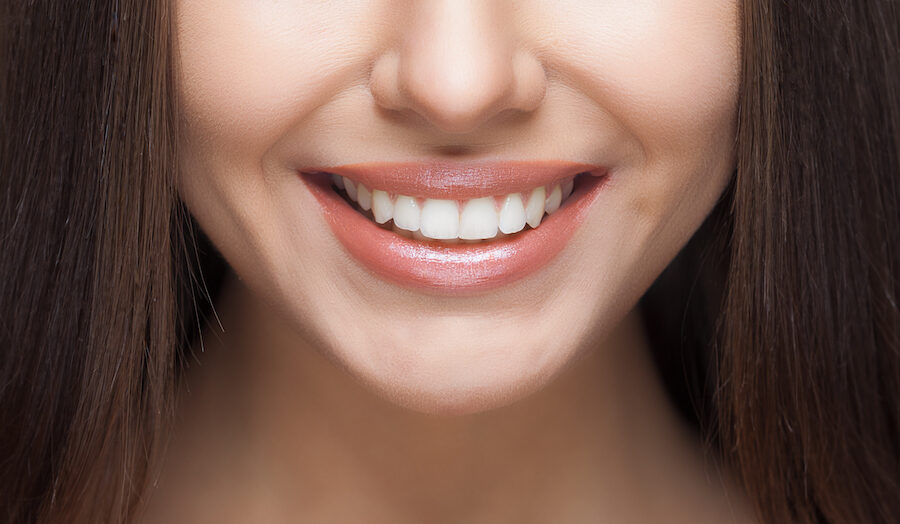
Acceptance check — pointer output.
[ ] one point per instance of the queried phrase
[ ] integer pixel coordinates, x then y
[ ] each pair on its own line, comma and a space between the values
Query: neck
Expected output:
602, 435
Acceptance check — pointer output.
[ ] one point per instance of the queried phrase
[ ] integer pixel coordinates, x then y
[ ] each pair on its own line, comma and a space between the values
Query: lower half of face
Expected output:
454, 199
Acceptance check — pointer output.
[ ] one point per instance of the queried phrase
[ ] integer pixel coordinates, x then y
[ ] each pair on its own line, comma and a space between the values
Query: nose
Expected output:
458, 65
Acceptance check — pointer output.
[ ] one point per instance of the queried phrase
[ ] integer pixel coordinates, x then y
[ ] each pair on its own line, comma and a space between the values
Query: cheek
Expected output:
677, 78
666, 71
249, 70
669, 75
666, 74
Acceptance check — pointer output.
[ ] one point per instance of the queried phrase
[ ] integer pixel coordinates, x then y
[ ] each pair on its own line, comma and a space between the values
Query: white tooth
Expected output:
382, 207
417, 234
364, 197
478, 219
512, 214
337, 180
351, 188
534, 209
567, 186
440, 219
406, 213
553, 200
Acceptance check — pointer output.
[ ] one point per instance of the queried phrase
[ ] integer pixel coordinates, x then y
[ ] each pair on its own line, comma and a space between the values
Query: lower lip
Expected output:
453, 269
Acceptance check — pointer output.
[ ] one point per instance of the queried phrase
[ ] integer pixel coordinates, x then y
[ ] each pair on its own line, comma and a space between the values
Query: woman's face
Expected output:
448, 102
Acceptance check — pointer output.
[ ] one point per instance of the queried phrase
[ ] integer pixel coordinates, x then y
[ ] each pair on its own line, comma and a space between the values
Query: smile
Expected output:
451, 228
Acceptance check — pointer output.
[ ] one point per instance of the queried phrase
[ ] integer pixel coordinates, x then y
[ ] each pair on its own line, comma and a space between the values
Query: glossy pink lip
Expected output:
454, 269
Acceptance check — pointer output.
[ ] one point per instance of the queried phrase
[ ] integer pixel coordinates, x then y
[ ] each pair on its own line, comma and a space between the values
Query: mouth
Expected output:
451, 228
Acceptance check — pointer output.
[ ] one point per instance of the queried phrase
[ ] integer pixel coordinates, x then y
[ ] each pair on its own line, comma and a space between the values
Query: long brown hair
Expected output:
777, 327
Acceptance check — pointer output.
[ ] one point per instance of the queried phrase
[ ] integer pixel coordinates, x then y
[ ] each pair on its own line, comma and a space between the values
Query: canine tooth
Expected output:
512, 214
478, 219
337, 180
440, 219
406, 213
351, 188
553, 200
567, 186
364, 197
534, 209
382, 207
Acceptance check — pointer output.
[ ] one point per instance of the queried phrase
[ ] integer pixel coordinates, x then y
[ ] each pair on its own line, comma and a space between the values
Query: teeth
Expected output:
401, 232
363, 197
512, 214
534, 209
350, 187
553, 200
439, 219
382, 207
567, 186
478, 219
406, 213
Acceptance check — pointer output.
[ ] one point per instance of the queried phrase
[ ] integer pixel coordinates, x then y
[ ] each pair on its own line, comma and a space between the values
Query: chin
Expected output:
457, 380
454, 396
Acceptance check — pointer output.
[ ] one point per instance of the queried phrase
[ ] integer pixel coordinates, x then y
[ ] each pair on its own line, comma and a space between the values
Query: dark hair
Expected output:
777, 326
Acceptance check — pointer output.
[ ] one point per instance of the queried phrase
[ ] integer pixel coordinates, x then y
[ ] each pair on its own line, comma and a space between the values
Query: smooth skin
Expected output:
335, 396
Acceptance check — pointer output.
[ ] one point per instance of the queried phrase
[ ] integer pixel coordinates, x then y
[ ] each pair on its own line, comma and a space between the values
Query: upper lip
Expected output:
458, 180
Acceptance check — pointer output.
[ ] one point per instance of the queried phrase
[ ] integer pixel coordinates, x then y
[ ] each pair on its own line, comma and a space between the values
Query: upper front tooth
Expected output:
382, 207
337, 180
512, 214
553, 200
534, 209
364, 197
440, 219
351, 188
406, 213
478, 219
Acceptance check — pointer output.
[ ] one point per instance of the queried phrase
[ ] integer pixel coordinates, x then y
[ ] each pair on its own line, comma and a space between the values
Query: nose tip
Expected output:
457, 70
